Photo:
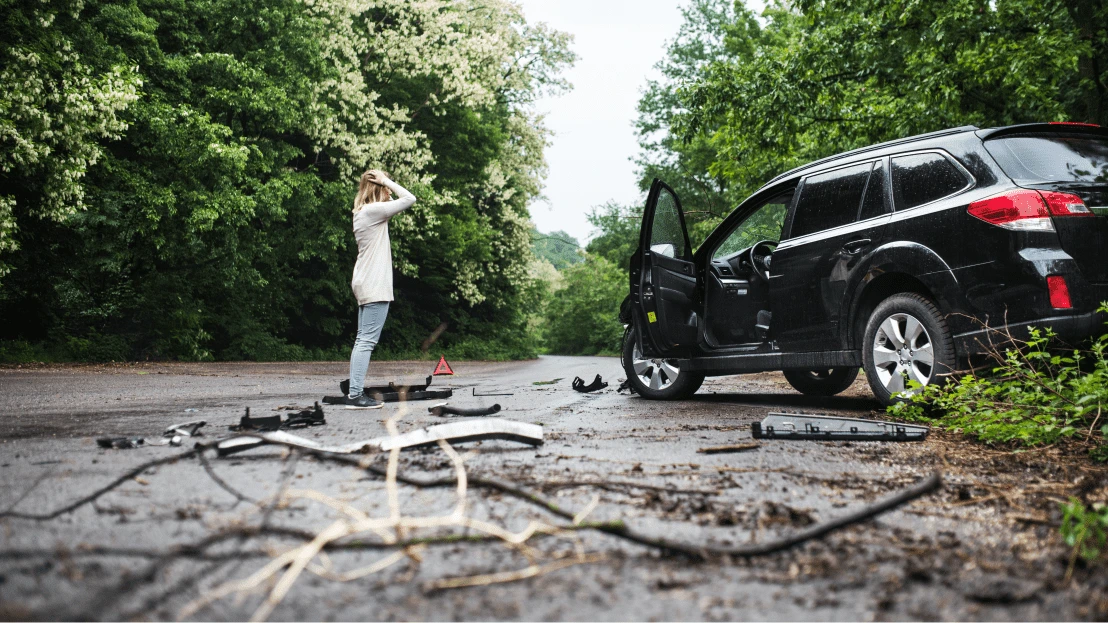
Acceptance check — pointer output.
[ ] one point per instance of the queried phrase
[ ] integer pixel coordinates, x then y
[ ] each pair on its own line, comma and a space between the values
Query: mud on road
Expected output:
984, 547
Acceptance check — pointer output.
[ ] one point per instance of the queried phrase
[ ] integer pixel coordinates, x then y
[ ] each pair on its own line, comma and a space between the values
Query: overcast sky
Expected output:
617, 42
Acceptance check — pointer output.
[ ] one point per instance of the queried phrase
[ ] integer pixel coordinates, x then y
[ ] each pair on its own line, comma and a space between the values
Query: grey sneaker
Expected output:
363, 402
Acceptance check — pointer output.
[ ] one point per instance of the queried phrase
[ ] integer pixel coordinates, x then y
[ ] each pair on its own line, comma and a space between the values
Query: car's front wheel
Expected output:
906, 340
821, 382
657, 378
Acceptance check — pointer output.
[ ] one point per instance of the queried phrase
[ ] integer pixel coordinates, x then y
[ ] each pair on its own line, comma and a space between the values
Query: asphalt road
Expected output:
985, 547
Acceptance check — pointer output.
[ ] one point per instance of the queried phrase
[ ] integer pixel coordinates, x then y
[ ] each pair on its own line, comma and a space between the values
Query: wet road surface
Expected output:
984, 547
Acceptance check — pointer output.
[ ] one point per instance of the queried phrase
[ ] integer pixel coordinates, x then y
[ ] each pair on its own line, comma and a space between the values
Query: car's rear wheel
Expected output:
906, 339
657, 378
826, 382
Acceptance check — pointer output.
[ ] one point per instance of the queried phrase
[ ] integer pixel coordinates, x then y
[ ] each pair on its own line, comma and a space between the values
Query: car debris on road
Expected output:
301, 419
172, 436
392, 392
455, 432
829, 428
596, 385
444, 409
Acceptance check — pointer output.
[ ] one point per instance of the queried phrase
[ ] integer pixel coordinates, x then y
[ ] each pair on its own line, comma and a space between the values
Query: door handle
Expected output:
856, 246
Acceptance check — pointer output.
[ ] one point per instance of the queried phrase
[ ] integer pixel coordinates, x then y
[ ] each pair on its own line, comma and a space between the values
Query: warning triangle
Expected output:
442, 368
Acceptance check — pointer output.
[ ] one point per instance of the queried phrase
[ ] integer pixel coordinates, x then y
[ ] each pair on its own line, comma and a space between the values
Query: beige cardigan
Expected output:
372, 280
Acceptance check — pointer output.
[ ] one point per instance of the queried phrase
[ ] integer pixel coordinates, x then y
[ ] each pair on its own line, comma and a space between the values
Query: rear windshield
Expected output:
1052, 157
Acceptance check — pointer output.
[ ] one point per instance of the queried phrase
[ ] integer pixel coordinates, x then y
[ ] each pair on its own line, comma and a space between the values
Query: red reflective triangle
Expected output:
442, 368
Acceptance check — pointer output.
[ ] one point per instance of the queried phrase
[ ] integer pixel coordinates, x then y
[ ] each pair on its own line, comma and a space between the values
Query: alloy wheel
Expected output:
902, 351
654, 373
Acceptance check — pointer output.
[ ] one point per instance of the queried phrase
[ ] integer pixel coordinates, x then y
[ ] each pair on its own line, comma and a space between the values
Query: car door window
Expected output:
830, 199
667, 236
923, 178
763, 224
874, 204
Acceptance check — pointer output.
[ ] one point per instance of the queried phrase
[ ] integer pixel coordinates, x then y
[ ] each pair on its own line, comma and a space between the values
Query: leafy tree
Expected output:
617, 232
831, 75
216, 223
558, 248
582, 316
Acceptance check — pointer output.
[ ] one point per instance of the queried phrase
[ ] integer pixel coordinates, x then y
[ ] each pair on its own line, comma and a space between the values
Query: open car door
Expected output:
663, 278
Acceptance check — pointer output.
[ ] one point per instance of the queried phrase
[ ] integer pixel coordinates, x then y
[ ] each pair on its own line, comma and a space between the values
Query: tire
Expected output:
922, 350
821, 382
679, 386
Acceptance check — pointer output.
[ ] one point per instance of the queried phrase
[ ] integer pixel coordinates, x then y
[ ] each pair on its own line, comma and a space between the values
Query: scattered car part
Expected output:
120, 443
305, 418
490, 394
265, 423
188, 429
625, 385
392, 392
828, 428
738, 447
455, 432
596, 385
259, 423
174, 435
431, 394
444, 409
344, 386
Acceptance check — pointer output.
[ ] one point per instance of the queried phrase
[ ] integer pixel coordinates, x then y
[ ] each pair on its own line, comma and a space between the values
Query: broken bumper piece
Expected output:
455, 432
265, 423
442, 410
392, 393
431, 394
828, 428
596, 385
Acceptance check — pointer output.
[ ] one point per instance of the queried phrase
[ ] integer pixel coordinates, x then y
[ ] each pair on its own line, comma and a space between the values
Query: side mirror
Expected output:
665, 248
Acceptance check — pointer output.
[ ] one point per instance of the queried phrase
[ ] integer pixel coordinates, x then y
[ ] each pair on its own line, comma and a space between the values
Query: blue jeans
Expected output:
371, 319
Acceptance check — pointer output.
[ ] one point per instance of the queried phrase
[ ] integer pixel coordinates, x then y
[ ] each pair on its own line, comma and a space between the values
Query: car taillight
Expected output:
1018, 210
1080, 123
1065, 204
1028, 210
1059, 292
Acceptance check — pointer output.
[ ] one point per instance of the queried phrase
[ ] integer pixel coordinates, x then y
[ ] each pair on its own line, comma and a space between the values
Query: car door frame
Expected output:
655, 338
871, 232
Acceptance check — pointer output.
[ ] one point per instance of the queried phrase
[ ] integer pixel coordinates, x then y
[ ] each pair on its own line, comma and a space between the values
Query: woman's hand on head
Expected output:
378, 177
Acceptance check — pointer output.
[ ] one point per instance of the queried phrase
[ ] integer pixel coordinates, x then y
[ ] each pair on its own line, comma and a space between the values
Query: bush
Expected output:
1034, 395
583, 316
1085, 529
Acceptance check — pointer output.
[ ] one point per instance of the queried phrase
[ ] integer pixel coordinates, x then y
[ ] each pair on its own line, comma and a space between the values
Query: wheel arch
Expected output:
897, 268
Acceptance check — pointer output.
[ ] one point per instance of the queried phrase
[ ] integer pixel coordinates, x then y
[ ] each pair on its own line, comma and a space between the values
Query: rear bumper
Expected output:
1072, 328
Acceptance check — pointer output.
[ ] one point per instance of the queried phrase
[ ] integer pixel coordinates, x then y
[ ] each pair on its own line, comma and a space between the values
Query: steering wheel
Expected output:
757, 255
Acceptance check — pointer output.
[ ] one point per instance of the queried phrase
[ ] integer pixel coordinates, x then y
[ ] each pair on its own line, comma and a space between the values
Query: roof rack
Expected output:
907, 139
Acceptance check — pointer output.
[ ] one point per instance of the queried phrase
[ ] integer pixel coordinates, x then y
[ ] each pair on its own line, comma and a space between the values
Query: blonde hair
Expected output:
370, 191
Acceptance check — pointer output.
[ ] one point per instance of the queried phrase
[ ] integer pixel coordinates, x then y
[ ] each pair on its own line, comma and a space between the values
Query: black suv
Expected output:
903, 258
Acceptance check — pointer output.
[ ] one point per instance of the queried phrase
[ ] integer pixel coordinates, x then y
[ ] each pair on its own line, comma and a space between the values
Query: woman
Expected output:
372, 280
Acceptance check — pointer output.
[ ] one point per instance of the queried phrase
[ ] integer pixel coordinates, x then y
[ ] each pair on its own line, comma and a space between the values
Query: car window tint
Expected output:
923, 178
1052, 158
763, 224
830, 199
666, 228
873, 204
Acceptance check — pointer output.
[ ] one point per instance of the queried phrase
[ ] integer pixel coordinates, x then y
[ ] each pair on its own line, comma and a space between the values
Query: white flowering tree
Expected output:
217, 147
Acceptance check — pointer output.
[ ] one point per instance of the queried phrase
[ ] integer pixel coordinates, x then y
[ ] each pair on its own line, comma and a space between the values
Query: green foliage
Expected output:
828, 76
558, 248
582, 317
617, 232
1034, 395
1085, 529
207, 213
